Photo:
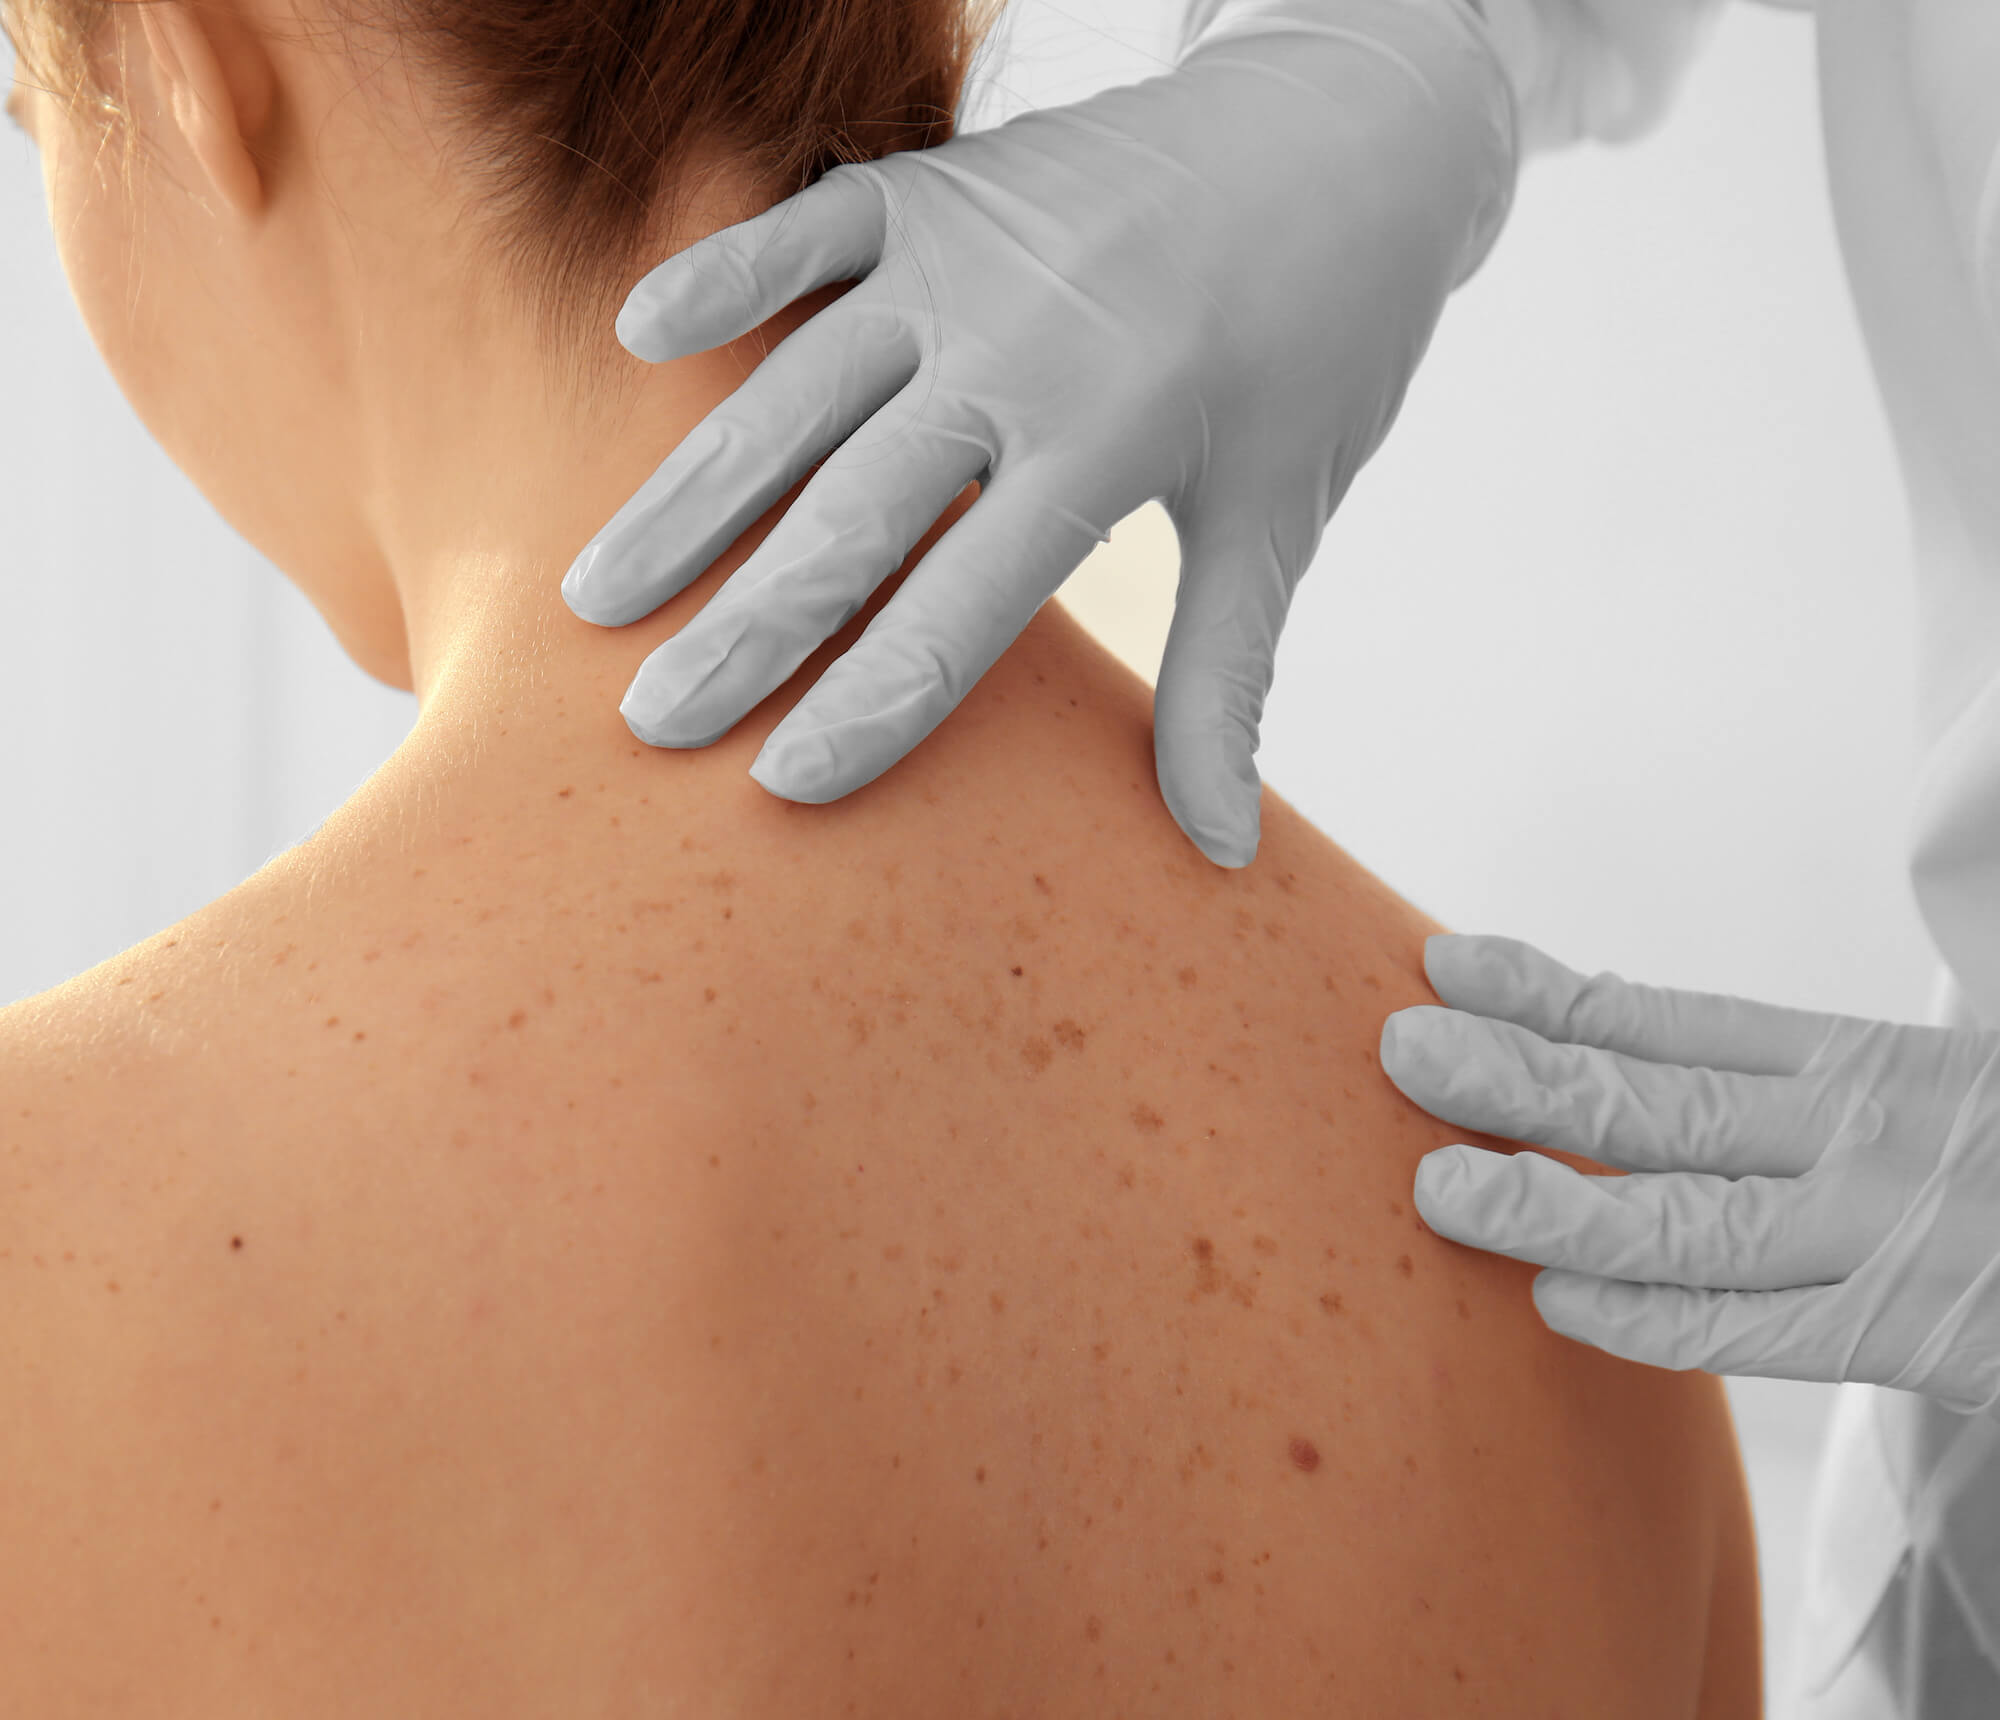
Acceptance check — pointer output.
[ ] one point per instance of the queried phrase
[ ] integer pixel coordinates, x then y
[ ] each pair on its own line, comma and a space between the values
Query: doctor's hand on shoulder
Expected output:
1811, 1197
1211, 288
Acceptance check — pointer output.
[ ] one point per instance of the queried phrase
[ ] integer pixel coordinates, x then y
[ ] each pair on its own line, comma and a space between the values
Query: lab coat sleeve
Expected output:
1981, 152
1954, 54
1986, 262
1600, 69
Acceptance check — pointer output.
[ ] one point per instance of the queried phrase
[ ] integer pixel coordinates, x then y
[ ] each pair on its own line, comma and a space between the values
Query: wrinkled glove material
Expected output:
1209, 288
1809, 1196
1605, 70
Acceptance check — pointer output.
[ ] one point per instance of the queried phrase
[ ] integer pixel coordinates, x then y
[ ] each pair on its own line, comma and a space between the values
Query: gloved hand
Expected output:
1210, 287
1815, 1196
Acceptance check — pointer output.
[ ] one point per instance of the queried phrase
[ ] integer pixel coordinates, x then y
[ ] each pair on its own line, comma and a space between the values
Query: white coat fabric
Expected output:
1901, 1617
1902, 1602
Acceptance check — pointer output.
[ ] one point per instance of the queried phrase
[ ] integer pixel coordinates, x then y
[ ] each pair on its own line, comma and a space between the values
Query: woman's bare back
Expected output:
946, 1252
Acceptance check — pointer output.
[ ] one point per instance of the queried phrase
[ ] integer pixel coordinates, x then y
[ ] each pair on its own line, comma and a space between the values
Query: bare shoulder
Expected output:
85, 1173
76, 1063
1610, 1496
1007, 1280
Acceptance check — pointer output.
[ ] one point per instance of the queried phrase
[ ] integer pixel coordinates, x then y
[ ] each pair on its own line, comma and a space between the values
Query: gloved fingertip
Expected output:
1231, 853
648, 319
643, 713
1446, 1189
574, 581
1388, 1048
659, 707
591, 587
1232, 839
1563, 1300
1435, 1171
1209, 782
1420, 1040
796, 767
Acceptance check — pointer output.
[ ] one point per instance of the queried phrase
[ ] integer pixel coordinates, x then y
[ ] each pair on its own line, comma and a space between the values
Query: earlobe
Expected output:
218, 106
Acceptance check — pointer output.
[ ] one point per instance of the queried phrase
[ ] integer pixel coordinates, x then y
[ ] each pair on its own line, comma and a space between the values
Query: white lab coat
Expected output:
1901, 1617
1902, 1607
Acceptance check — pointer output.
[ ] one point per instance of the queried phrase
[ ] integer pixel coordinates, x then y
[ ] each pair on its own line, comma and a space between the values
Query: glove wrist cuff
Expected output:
1443, 47
1610, 81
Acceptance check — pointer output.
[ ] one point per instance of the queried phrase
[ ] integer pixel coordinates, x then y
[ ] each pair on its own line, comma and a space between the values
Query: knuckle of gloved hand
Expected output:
1696, 1328
1549, 1090
1505, 1112
1438, 1061
1586, 1009
877, 333
1839, 1131
1599, 1120
1735, 1241
1698, 1118
720, 443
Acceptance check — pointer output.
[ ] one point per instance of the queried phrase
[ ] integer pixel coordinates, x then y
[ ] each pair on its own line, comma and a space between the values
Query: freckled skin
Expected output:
728, 1271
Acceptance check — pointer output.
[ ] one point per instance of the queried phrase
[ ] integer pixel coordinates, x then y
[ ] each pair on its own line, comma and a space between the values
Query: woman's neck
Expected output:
519, 687
479, 488
520, 699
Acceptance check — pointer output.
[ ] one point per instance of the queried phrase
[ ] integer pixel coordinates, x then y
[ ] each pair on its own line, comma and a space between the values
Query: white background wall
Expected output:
1609, 649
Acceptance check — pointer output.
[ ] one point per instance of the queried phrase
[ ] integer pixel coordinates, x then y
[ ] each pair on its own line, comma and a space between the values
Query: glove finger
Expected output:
1770, 1334
1515, 981
852, 526
1708, 1232
1506, 1080
961, 607
810, 393
724, 285
1222, 647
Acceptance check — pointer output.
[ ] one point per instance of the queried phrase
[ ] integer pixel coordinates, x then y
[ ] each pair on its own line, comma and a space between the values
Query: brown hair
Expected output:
578, 118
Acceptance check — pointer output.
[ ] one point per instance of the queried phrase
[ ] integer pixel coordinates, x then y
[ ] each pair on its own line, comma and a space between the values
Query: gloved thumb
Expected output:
1235, 589
724, 285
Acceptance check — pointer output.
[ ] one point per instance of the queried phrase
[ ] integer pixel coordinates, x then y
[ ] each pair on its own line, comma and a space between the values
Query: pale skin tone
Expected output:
580, 1231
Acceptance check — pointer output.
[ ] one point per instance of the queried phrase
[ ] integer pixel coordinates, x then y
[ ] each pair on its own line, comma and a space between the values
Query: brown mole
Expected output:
1305, 1455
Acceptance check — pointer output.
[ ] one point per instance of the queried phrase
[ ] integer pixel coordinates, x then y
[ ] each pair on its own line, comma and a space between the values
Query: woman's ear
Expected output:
219, 82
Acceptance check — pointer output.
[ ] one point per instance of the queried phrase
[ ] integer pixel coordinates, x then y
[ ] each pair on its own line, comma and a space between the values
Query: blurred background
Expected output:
1610, 648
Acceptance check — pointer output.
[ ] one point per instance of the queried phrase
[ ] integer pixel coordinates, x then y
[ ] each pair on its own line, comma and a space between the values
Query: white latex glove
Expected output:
1602, 69
1210, 288
1816, 1197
